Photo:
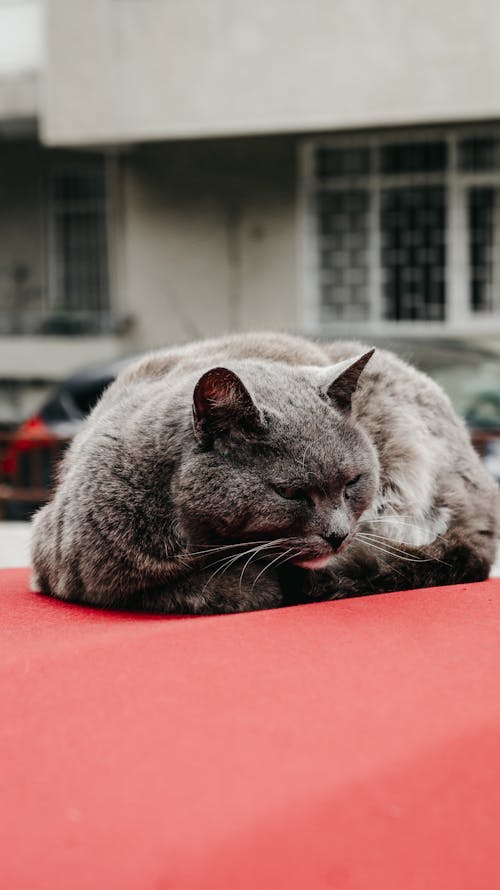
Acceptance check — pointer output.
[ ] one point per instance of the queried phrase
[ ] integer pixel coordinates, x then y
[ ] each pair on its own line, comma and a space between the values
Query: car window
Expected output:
86, 396
60, 408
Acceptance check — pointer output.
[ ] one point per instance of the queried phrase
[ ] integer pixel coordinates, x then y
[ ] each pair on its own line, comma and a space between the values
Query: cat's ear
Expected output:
341, 390
222, 404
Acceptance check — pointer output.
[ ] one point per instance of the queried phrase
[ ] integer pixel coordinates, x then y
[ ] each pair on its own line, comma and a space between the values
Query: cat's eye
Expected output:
350, 485
290, 493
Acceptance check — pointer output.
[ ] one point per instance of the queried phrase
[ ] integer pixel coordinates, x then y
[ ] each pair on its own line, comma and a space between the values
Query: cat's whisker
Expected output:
394, 520
382, 539
281, 556
257, 551
386, 537
292, 556
390, 552
306, 449
400, 521
395, 547
389, 543
228, 561
387, 553
226, 564
210, 549
230, 556
223, 547
246, 551
389, 546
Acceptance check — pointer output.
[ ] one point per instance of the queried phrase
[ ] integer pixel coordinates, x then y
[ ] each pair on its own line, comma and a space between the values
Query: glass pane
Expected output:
413, 157
479, 154
482, 210
85, 397
413, 253
332, 162
81, 261
343, 222
80, 248
78, 185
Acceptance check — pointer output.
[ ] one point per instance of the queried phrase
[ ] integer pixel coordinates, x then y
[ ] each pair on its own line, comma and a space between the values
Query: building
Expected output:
173, 169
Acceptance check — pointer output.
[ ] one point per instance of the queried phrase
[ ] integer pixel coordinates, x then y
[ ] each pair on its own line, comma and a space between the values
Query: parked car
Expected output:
33, 451
469, 373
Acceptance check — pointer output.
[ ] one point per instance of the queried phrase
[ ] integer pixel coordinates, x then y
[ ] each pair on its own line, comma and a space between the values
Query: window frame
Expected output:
102, 205
459, 318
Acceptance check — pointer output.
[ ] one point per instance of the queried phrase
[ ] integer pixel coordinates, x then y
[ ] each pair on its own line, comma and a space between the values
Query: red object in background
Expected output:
31, 434
352, 744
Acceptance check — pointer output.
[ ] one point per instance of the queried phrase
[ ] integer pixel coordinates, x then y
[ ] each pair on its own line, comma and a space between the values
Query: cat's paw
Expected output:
35, 585
237, 591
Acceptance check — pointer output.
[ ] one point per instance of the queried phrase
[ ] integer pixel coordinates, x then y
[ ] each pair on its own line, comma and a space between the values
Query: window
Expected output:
79, 238
412, 226
404, 229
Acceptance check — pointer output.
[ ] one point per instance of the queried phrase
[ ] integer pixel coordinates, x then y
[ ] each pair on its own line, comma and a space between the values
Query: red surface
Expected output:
341, 745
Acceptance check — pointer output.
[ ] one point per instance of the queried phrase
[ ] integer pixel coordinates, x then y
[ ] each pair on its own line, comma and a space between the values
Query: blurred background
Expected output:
176, 169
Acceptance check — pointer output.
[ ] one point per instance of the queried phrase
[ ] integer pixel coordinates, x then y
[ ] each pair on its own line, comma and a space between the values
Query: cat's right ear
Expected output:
222, 405
342, 389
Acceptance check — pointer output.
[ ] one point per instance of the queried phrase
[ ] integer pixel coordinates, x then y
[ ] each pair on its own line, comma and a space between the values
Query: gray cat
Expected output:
256, 471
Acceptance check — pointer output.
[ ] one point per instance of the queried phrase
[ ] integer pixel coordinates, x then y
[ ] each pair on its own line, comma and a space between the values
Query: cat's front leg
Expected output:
302, 586
208, 592
443, 562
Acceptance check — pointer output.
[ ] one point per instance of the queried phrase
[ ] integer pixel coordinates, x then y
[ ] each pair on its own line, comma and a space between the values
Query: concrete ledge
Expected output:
53, 358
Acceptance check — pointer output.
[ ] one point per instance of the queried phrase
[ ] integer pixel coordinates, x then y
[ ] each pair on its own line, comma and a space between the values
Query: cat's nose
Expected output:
336, 540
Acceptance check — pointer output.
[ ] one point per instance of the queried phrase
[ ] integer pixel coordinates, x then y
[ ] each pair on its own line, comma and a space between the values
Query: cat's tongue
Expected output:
318, 563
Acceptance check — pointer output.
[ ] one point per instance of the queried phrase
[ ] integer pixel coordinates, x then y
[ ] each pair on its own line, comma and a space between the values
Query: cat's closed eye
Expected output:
291, 493
349, 486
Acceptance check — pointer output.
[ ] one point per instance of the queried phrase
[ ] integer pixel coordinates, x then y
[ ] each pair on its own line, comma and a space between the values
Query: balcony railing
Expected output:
28, 469
61, 323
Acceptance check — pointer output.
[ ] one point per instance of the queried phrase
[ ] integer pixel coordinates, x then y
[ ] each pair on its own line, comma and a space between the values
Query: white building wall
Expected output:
208, 239
21, 53
20, 36
137, 70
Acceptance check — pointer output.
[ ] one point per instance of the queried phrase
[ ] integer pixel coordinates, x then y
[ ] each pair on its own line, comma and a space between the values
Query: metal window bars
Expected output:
405, 229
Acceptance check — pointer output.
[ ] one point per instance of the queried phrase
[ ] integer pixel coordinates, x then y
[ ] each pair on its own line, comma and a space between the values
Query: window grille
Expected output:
403, 229
79, 238
412, 224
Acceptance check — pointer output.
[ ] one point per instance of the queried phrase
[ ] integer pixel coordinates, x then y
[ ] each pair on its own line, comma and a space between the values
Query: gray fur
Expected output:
195, 453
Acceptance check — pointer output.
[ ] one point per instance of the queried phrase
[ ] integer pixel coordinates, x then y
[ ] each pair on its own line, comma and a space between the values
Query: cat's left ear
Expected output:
341, 390
222, 406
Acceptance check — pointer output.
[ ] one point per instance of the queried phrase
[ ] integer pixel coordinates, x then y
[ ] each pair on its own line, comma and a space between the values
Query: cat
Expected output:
255, 471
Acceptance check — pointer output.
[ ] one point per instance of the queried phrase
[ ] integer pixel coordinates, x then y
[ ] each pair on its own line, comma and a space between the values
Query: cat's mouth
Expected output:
318, 557
315, 562
306, 553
